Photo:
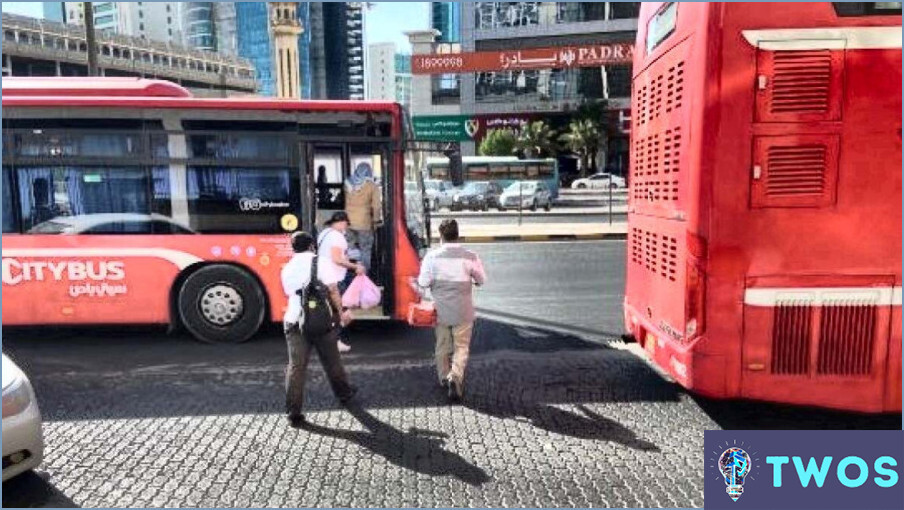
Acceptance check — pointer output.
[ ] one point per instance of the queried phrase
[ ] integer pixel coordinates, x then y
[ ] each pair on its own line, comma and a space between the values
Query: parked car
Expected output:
477, 196
526, 195
23, 441
439, 193
599, 180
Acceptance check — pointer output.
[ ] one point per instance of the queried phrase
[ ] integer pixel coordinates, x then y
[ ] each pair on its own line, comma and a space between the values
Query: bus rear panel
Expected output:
764, 227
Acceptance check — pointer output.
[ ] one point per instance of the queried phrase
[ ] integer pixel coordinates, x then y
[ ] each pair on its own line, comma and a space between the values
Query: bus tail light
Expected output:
695, 301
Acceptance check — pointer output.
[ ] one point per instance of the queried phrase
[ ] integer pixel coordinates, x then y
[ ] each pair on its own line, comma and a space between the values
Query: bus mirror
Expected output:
456, 172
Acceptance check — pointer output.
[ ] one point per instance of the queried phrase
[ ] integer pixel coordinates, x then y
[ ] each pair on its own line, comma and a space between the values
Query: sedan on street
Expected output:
600, 180
23, 441
526, 195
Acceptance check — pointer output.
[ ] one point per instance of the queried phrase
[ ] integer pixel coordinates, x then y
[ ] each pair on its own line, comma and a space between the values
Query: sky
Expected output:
385, 21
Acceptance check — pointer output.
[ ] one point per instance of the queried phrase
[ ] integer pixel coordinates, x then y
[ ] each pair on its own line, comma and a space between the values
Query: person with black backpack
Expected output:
312, 320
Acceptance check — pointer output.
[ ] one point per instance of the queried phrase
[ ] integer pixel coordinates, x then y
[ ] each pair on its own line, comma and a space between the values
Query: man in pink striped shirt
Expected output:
449, 272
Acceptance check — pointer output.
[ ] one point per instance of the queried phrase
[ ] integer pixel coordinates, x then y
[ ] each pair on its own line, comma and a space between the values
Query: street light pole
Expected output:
89, 39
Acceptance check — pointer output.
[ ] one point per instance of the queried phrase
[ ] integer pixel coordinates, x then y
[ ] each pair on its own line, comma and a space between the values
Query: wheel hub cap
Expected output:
221, 304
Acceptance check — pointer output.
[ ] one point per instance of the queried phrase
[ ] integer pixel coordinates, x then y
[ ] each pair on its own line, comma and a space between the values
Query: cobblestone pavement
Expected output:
136, 418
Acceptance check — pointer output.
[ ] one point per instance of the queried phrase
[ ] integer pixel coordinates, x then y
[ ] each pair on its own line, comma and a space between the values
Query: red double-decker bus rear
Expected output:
764, 243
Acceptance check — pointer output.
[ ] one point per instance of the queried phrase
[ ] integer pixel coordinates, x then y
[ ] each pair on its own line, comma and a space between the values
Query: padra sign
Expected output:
594, 55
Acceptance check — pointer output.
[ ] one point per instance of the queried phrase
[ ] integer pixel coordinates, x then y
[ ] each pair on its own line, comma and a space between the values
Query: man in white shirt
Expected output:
450, 272
332, 248
295, 276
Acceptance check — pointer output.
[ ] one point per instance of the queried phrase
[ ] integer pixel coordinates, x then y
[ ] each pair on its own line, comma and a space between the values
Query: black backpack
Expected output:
319, 316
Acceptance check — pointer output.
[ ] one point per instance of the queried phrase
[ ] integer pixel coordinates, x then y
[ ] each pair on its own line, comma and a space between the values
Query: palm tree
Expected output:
584, 138
535, 140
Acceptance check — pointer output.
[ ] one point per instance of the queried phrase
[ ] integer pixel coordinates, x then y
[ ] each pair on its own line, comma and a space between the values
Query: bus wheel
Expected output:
221, 304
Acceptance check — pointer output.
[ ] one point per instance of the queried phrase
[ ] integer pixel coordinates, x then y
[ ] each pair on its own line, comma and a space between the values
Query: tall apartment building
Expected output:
446, 18
337, 50
389, 73
157, 21
510, 98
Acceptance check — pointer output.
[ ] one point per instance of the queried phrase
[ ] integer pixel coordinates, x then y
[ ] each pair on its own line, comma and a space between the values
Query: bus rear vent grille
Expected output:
661, 95
656, 253
791, 339
796, 171
844, 339
801, 81
657, 160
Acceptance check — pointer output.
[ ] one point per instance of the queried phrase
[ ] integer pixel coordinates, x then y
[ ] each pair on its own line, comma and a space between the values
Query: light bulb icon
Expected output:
735, 466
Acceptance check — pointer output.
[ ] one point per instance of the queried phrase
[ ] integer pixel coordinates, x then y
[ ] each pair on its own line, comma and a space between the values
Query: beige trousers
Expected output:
453, 344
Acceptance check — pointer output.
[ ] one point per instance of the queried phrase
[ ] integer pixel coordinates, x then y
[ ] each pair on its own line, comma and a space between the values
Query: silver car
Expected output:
526, 195
439, 194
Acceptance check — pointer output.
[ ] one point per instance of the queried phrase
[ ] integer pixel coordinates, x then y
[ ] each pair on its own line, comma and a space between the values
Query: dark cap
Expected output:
336, 217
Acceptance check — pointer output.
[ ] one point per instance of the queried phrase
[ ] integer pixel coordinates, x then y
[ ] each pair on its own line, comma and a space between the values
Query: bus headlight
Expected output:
16, 398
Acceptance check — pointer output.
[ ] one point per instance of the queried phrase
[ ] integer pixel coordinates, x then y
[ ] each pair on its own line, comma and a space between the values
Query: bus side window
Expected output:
80, 193
9, 214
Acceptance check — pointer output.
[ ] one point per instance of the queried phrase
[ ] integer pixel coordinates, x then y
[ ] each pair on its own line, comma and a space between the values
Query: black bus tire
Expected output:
221, 304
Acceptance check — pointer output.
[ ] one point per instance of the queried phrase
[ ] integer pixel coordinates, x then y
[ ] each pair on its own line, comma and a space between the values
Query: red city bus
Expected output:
130, 201
764, 241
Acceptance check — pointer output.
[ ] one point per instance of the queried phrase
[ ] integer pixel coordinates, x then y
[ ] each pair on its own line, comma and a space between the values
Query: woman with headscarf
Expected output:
364, 205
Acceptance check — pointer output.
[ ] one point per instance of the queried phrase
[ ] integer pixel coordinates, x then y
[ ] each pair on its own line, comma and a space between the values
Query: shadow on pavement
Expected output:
416, 450
33, 490
744, 415
102, 373
584, 424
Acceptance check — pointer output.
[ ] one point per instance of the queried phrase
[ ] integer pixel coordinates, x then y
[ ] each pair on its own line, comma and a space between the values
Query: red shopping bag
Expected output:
422, 315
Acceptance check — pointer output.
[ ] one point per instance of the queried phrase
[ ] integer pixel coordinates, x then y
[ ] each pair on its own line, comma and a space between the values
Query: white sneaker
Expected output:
343, 347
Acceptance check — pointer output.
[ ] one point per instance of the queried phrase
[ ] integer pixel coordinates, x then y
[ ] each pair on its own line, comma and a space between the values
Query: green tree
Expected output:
536, 140
584, 138
498, 142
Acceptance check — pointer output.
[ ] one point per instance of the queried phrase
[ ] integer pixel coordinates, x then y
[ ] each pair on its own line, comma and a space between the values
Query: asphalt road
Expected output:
556, 412
511, 218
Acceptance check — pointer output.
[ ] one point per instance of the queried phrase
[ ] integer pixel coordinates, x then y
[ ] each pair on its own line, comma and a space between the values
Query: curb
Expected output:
608, 236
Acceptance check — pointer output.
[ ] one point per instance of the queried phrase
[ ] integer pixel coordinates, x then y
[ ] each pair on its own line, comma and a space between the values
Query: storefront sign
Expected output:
537, 58
444, 128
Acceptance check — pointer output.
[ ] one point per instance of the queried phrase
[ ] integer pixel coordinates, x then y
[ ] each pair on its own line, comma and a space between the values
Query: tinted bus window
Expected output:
477, 172
867, 8
76, 195
546, 171
499, 172
9, 217
234, 200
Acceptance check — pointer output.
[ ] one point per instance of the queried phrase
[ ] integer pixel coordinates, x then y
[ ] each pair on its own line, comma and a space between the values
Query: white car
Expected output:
526, 195
439, 193
23, 441
599, 180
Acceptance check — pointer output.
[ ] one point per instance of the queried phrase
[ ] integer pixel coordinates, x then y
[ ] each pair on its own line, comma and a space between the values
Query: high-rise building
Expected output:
446, 17
224, 26
337, 50
54, 11
253, 42
157, 21
389, 73
199, 26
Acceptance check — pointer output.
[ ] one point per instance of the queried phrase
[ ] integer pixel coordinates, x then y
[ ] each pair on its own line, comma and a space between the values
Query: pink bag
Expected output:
361, 293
